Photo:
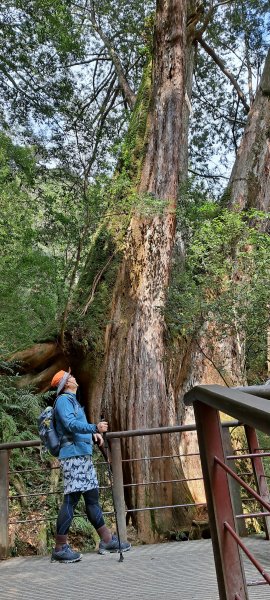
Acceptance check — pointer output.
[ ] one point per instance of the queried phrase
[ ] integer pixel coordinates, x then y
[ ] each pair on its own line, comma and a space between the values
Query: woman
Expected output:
80, 478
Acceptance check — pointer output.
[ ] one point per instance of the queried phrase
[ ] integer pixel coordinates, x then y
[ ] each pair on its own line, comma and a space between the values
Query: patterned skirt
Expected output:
79, 474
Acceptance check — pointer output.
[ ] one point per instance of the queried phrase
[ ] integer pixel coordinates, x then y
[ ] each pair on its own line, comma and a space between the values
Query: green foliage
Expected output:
28, 301
19, 410
223, 279
46, 224
91, 303
37, 39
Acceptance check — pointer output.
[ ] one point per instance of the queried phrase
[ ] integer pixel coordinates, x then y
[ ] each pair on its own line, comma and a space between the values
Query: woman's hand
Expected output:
102, 427
98, 439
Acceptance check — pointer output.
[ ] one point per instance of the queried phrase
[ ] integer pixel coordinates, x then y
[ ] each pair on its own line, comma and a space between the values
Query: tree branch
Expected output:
96, 282
224, 70
212, 362
207, 175
123, 83
106, 107
209, 15
88, 61
94, 96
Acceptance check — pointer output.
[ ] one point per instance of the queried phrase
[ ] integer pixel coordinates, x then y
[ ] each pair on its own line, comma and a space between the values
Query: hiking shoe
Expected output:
113, 546
65, 555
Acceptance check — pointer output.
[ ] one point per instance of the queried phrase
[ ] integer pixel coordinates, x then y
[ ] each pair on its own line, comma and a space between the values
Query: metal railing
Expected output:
119, 486
217, 474
253, 412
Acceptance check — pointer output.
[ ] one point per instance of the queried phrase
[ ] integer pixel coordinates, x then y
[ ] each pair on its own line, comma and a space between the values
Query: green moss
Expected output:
91, 306
90, 312
153, 521
133, 149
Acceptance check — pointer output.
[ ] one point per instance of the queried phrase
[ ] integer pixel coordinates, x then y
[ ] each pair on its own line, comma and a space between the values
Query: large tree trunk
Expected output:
249, 185
134, 389
210, 358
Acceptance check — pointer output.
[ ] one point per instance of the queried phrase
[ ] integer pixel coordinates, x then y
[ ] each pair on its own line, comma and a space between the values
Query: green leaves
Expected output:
19, 409
224, 280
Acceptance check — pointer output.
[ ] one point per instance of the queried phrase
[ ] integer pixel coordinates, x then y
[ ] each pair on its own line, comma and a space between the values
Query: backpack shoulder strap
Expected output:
72, 400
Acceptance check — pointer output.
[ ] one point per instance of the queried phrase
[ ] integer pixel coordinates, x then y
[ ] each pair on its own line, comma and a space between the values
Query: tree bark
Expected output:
249, 185
134, 389
38, 363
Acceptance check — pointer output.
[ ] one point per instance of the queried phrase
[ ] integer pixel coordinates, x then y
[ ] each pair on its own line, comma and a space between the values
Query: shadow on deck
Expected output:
183, 570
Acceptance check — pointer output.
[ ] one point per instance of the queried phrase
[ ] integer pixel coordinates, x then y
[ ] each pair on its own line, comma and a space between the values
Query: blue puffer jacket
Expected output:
73, 427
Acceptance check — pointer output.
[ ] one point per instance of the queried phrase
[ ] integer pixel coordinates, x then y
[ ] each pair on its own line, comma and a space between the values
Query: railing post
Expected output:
234, 486
118, 487
229, 568
258, 471
4, 492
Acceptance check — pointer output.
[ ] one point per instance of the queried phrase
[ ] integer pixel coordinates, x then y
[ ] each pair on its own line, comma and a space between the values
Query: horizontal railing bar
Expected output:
37, 494
46, 469
255, 562
152, 431
21, 444
251, 455
112, 512
252, 515
33, 470
160, 457
255, 583
248, 499
163, 481
54, 518
130, 510
242, 483
160, 430
263, 391
123, 434
252, 410
107, 487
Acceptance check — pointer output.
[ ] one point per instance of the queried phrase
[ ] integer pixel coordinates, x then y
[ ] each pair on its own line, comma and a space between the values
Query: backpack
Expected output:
51, 442
47, 431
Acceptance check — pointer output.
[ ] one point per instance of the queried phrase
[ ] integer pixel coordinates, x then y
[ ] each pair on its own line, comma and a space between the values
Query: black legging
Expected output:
66, 513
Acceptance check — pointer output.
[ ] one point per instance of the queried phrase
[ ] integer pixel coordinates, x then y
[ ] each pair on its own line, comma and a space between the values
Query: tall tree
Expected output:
137, 375
135, 337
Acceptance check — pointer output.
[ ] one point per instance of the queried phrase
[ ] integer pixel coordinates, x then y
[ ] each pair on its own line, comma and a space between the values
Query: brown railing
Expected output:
118, 486
253, 412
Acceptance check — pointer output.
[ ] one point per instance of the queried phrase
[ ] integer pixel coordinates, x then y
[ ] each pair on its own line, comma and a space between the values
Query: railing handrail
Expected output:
252, 407
263, 391
251, 410
121, 434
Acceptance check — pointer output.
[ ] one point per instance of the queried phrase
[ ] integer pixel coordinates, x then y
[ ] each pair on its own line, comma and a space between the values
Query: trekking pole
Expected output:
110, 475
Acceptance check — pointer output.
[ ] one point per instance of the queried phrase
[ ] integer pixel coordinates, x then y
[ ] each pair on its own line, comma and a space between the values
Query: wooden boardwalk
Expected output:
171, 571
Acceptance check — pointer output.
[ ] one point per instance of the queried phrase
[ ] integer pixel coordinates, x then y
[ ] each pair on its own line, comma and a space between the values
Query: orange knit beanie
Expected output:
57, 378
